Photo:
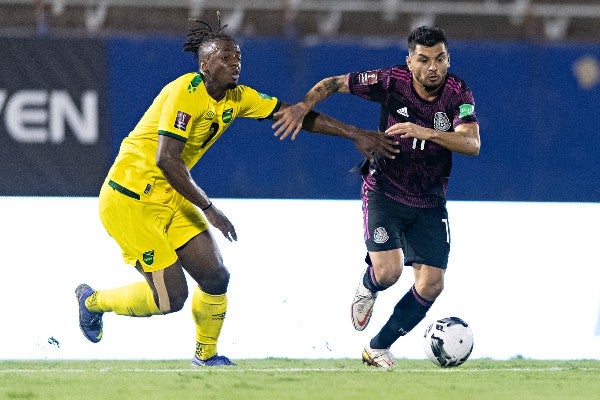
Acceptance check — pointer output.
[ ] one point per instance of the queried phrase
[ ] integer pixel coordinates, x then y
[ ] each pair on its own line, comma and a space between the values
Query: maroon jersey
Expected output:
419, 174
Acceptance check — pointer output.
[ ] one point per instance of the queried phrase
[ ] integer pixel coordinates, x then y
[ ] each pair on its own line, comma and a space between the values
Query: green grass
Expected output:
270, 379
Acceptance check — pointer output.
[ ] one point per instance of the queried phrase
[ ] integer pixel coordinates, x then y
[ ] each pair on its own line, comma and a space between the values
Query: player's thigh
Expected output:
383, 230
186, 223
200, 256
427, 241
139, 228
196, 247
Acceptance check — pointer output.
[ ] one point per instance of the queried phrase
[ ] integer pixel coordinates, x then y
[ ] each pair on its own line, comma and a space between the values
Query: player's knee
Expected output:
217, 282
388, 275
437, 288
431, 289
222, 280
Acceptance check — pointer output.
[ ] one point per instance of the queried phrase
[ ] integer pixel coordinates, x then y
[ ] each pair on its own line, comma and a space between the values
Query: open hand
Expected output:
221, 222
369, 142
289, 120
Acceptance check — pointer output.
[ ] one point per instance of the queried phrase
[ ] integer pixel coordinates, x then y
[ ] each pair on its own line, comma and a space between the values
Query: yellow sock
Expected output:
135, 300
209, 312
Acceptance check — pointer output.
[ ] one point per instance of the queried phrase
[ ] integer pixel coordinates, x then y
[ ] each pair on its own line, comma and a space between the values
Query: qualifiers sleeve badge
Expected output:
367, 78
181, 120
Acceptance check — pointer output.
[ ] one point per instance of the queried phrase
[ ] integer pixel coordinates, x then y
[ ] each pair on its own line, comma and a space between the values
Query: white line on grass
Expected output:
243, 370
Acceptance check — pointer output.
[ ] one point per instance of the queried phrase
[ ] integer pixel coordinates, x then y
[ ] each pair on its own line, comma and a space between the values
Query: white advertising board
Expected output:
525, 276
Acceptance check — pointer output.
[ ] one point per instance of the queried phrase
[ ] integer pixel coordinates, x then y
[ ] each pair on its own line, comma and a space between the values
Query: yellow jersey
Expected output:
185, 111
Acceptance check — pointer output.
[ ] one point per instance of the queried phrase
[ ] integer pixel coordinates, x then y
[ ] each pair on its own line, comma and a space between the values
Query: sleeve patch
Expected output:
367, 78
182, 119
466, 110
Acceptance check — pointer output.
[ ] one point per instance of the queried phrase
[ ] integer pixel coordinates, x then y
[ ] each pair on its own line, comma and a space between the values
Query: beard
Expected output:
431, 88
232, 85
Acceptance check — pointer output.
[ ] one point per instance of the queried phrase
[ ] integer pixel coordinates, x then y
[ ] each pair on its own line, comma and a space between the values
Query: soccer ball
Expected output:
448, 342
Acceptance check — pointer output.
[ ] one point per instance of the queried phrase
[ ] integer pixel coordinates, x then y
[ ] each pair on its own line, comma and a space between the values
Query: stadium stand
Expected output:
540, 20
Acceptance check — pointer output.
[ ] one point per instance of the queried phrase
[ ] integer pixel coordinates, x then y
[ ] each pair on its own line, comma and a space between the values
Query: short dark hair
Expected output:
203, 33
426, 36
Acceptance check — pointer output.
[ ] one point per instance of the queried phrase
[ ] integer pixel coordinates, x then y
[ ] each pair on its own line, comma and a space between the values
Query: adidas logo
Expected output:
403, 111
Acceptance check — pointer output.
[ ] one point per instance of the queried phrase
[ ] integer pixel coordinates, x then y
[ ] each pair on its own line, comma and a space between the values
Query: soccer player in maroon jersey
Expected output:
431, 113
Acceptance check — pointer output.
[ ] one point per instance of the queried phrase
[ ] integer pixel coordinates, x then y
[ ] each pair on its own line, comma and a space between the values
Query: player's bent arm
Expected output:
168, 159
464, 140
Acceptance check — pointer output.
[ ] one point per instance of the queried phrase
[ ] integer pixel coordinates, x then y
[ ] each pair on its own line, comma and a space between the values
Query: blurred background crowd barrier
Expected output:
474, 19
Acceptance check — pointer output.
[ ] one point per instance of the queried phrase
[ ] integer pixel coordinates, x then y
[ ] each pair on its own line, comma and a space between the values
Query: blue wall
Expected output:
540, 138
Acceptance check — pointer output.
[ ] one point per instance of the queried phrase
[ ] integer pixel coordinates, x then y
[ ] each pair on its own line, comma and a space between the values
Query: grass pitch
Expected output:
269, 379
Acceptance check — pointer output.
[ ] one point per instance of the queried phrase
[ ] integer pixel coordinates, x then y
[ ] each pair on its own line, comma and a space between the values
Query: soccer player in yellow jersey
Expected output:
160, 217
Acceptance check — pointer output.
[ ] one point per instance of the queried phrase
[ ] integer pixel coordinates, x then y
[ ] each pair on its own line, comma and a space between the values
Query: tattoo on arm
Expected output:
326, 88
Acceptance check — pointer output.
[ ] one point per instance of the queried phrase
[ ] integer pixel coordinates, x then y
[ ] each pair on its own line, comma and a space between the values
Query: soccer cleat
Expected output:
380, 358
90, 322
362, 306
214, 361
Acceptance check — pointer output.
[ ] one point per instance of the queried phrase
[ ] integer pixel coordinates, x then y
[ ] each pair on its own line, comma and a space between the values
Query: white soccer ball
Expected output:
448, 342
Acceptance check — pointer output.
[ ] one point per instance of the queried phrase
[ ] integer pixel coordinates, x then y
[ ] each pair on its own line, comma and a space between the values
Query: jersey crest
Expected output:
227, 115
441, 121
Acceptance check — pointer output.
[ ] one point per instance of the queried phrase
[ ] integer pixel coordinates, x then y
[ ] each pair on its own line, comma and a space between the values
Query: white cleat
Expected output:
362, 306
380, 358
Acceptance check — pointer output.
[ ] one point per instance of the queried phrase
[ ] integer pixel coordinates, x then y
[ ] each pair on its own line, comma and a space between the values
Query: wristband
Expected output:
207, 207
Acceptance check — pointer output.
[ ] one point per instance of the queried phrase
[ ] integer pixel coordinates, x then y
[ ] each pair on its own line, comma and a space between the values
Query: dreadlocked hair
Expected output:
204, 33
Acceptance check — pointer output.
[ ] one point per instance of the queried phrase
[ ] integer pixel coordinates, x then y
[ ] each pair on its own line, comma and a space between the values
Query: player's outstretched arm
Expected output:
367, 142
289, 120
